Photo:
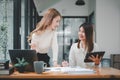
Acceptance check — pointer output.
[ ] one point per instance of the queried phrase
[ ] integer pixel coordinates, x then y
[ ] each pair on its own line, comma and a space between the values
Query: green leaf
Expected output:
21, 62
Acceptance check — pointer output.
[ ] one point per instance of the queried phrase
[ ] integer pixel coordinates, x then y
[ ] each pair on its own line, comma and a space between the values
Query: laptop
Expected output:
29, 55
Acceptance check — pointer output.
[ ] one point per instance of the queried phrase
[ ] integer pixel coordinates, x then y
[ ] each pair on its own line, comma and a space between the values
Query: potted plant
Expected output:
21, 64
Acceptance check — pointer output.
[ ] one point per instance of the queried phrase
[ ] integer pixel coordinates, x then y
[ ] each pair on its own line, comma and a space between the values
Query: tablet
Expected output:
100, 54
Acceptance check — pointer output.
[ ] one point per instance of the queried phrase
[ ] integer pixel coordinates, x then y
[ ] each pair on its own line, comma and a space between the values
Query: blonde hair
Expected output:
45, 21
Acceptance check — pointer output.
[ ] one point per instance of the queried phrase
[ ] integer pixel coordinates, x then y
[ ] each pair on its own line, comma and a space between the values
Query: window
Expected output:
68, 34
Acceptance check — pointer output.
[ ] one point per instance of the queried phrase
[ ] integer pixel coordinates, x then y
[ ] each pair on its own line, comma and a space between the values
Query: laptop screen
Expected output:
29, 55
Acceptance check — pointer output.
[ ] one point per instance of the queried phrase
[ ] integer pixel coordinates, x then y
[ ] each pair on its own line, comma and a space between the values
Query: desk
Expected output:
101, 73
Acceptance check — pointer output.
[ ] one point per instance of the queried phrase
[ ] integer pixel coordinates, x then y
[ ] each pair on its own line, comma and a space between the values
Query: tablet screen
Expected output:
100, 54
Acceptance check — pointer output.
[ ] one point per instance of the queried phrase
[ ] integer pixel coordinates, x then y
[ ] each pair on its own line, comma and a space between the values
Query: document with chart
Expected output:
71, 70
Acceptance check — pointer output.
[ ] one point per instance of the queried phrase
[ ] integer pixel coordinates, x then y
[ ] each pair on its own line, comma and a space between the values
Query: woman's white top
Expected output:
45, 41
77, 56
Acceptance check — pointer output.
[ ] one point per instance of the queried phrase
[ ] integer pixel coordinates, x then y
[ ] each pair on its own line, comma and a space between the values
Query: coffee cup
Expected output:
39, 66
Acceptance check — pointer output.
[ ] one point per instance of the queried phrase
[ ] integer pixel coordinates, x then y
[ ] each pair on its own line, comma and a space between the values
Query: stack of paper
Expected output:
6, 71
71, 70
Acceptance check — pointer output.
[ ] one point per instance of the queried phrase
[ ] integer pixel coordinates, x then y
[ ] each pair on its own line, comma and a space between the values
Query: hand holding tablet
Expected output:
93, 55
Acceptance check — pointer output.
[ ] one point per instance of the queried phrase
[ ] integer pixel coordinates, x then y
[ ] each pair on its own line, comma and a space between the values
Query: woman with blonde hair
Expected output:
44, 36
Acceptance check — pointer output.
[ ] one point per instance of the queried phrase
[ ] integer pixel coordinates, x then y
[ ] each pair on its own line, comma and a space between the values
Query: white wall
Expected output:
108, 25
91, 6
68, 8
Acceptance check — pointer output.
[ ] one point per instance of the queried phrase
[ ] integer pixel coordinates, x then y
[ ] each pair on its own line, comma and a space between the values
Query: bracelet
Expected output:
96, 65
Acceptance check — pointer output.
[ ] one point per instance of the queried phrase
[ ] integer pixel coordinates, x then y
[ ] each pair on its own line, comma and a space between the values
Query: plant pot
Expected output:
21, 69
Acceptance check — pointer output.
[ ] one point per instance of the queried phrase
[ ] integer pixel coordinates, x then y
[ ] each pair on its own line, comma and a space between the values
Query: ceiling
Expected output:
66, 7
41, 5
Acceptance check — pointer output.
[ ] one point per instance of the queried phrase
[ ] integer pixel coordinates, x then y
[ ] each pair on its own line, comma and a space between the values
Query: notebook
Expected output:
71, 70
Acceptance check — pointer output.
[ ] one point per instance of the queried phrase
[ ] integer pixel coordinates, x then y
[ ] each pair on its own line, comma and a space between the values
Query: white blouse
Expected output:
46, 40
77, 55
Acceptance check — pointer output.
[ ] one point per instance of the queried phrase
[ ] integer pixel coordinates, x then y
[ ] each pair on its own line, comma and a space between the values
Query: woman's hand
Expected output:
65, 64
33, 46
55, 64
95, 59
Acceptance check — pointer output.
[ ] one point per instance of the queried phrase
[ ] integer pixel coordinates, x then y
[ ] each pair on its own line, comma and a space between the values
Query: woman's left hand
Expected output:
65, 64
95, 59
55, 64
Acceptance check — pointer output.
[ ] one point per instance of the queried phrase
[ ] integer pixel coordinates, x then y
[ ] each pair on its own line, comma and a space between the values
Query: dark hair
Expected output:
88, 28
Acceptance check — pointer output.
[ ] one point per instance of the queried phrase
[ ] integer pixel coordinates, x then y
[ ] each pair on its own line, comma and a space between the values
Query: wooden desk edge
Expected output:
59, 75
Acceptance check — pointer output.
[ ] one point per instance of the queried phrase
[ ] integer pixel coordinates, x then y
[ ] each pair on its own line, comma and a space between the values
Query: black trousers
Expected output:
44, 57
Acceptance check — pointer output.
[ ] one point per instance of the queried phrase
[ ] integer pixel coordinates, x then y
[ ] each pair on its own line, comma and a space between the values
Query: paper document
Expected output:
71, 70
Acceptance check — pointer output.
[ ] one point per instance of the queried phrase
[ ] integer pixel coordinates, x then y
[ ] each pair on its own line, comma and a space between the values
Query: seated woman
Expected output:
84, 45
